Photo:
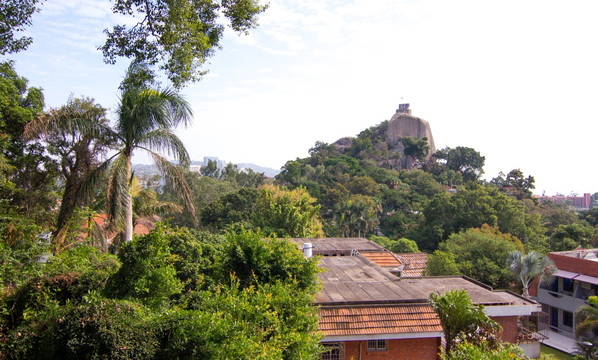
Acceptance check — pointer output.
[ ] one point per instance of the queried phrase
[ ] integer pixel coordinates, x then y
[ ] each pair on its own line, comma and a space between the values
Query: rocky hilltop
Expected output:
404, 124
386, 137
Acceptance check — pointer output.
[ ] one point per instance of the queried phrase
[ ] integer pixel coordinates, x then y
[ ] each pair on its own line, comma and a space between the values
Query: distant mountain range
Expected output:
269, 172
150, 169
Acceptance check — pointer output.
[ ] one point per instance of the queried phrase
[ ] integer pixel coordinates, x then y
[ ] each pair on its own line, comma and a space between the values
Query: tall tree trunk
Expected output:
129, 205
68, 205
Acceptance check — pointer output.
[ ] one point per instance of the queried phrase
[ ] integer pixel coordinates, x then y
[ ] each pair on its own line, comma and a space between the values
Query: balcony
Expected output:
560, 300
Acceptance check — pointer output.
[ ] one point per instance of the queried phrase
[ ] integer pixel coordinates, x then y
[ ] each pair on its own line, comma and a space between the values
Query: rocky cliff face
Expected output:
404, 124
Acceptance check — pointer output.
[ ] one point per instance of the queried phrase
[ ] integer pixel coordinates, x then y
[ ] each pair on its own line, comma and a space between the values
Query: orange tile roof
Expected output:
142, 226
415, 264
384, 259
377, 320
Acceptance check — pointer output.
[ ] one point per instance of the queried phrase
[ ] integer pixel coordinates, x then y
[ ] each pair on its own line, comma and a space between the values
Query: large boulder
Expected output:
404, 124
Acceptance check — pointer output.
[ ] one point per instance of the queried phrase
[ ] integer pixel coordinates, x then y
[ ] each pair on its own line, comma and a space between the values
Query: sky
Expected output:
515, 80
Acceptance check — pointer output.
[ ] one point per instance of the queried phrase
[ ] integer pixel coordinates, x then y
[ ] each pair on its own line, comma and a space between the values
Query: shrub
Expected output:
94, 329
253, 259
147, 273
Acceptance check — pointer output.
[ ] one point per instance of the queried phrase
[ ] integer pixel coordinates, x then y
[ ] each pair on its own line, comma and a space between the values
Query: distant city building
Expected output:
579, 202
220, 164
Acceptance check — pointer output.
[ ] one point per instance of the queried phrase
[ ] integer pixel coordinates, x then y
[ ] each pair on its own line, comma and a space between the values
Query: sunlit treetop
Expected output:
177, 35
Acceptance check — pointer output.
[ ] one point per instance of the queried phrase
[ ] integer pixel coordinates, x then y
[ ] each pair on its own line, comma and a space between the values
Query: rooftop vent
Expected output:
307, 249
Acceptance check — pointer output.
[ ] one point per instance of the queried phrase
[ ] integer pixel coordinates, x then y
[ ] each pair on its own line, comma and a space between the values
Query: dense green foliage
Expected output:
465, 161
468, 351
146, 272
27, 174
481, 254
365, 188
397, 246
587, 318
19, 247
169, 294
272, 209
464, 322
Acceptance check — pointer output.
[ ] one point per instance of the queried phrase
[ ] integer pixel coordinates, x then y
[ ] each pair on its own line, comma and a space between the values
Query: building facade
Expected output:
578, 202
575, 280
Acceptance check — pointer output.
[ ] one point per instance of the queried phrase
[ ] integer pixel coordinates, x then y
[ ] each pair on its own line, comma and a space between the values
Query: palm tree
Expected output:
527, 267
146, 117
459, 317
146, 204
356, 216
78, 134
586, 349
586, 318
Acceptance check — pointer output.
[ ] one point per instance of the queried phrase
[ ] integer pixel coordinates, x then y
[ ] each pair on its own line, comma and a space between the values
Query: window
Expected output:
555, 285
332, 351
567, 285
376, 345
567, 319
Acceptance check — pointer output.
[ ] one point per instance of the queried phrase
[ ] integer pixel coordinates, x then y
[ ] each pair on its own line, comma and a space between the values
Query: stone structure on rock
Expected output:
404, 124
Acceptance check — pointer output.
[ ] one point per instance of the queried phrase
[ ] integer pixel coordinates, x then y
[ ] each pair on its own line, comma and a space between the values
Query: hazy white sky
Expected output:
515, 80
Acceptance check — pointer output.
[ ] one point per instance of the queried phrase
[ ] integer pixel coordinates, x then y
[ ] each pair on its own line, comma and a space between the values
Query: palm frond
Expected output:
117, 191
144, 110
179, 184
146, 204
587, 320
165, 141
527, 267
135, 187
78, 116
94, 179
172, 107
166, 207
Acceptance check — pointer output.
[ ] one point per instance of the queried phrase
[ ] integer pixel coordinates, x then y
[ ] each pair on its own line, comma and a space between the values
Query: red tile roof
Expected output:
378, 320
415, 264
385, 259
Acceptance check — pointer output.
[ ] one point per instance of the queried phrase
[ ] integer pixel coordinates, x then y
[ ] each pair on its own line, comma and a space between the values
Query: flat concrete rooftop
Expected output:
338, 246
357, 279
586, 254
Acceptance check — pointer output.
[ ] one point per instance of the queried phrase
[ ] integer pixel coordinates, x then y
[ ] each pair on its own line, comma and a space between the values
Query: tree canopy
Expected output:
15, 16
464, 160
179, 36
480, 253
29, 173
